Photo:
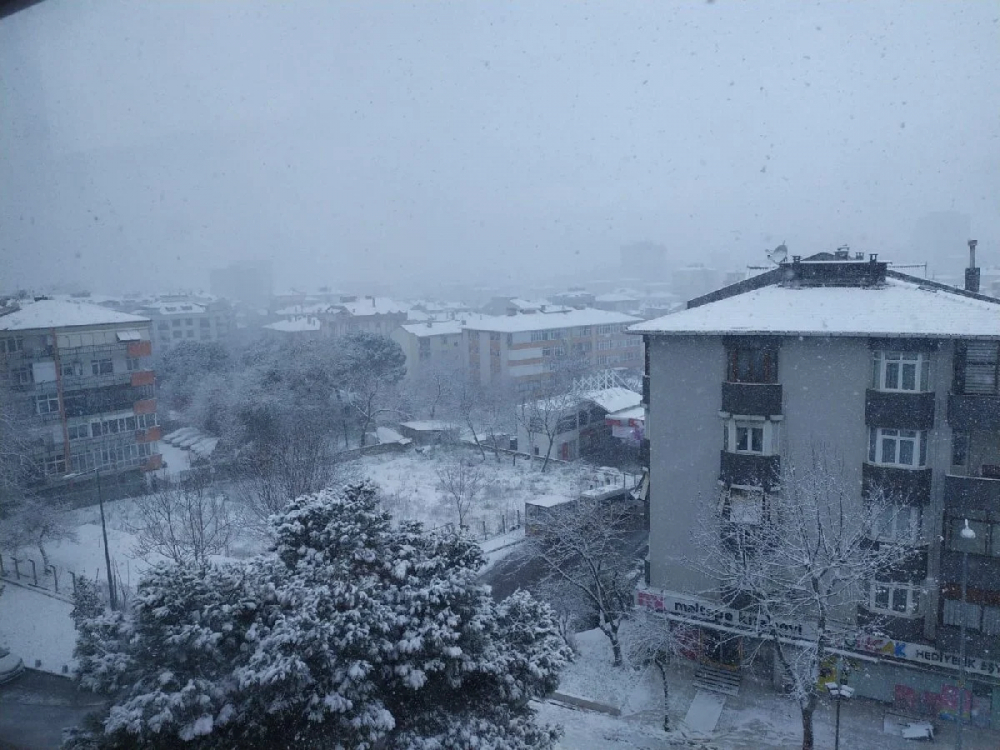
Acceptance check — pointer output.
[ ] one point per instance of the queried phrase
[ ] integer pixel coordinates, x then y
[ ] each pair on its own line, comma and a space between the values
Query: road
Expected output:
519, 571
36, 706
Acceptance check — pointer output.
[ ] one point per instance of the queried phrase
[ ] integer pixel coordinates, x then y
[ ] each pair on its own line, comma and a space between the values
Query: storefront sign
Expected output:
753, 623
918, 652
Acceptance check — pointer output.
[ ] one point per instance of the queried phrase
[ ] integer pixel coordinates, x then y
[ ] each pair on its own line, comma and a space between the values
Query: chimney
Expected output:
972, 272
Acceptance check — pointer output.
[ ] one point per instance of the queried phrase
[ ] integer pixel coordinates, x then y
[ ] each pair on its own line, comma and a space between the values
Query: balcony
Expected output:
984, 572
147, 436
146, 406
964, 494
905, 486
140, 348
979, 645
908, 629
899, 410
750, 469
756, 399
143, 377
974, 412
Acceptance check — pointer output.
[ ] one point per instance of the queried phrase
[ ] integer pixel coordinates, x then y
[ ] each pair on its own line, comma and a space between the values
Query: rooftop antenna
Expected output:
779, 254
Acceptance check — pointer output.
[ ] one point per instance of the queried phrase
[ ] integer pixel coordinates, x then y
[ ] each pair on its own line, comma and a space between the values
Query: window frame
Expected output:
913, 593
761, 371
769, 433
884, 359
879, 437
904, 525
103, 366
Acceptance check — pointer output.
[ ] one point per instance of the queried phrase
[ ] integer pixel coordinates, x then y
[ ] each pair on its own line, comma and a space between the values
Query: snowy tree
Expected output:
370, 367
352, 634
462, 483
650, 640
808, 556
186, 523
87, 602
541, 415
182, 368
588, 549
38, 522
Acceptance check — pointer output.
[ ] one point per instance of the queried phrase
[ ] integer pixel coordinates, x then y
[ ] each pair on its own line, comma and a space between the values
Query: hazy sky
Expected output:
143, 143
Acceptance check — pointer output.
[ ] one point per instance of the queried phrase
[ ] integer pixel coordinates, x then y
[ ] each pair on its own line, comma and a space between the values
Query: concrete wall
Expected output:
685, 435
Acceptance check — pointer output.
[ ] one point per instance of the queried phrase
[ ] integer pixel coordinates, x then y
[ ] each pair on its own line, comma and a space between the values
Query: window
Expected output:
585, 331
566, 424
55, 465
205, 323
78, 431
175, 322
981, 367
102, 367
955, 542
178, 334
898, 523
553, 351
603, 346
47, 403
977, 617
901, 448
744, 505
743, 435
71, 369
752, 365
897, 599
189, 321
960, 449
21, 376
163, 325
132, 364
11, 345
190, 334
900, 371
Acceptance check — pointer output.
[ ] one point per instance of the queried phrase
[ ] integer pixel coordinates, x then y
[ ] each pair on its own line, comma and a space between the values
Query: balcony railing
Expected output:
905, 486
757, 399
899, 410
973, 412
897, 628
964, 494
750, 469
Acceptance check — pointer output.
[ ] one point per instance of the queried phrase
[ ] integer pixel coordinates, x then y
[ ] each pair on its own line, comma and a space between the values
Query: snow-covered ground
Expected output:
37, 628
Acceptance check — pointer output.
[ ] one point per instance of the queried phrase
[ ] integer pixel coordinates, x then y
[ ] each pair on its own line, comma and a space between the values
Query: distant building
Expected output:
432, 345
184, 319
695, 280
645, 259
247, 282
298, 329
526, 349
80, 379
351, 314
623, 300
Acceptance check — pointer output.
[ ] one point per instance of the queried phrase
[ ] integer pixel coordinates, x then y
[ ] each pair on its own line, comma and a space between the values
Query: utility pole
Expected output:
112, 594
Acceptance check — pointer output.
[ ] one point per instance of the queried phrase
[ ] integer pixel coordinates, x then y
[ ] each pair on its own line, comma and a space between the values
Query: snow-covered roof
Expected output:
178, 308
896, 309
542, 321
295, 325
623, 415
434, 328
613, 399
372, 306
315, 309
618, 297
50, 313
429, 425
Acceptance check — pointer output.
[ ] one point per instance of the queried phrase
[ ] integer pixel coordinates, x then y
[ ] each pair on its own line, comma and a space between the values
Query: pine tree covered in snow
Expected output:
353, 634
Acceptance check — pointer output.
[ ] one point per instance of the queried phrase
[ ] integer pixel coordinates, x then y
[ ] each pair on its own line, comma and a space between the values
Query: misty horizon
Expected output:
409, 146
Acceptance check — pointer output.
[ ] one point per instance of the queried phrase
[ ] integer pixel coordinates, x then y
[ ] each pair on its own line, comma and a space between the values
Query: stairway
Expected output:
717, 679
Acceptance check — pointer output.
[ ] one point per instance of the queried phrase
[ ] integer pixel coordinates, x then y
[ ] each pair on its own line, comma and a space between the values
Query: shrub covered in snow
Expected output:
353, 635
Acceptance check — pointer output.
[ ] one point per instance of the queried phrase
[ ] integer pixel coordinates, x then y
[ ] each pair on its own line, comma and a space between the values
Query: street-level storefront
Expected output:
915, 678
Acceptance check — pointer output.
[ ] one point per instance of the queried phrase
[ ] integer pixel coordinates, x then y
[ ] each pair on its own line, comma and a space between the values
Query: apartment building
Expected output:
177, 320
351, 314
525, 349
432, 345
80, 380
896, 377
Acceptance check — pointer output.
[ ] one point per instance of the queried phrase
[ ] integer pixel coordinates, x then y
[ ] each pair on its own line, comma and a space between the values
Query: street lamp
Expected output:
840, 691
968, 535
112, 595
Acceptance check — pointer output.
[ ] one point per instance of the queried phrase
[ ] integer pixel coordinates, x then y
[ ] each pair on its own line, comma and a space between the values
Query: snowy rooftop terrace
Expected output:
896, 308
50, 313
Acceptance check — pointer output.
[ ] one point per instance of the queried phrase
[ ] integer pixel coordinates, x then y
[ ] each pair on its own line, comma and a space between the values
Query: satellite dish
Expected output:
779, 254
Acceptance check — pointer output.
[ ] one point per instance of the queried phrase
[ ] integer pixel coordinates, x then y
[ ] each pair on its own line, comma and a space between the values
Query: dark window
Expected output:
959, 449
752, 365
981, 367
